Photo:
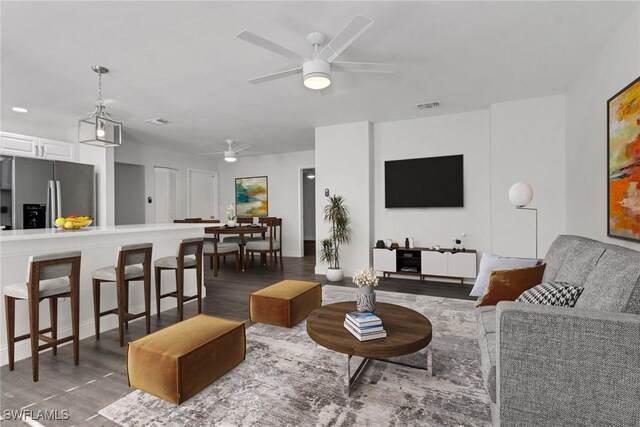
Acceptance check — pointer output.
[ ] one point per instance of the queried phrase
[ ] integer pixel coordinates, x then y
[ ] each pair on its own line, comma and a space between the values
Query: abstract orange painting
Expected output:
624, 163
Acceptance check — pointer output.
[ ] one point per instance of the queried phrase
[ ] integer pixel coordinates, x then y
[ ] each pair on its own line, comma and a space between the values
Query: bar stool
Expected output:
127, 270
189, 257
51, 276
215, 250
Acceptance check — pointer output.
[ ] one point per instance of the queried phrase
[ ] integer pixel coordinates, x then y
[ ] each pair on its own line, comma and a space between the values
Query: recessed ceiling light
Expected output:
20, 110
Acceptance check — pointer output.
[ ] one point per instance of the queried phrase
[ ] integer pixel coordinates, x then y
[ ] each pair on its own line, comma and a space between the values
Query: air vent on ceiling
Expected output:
427, 105
157, 121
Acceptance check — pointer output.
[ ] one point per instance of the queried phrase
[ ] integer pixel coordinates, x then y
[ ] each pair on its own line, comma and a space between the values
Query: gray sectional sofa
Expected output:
557, 366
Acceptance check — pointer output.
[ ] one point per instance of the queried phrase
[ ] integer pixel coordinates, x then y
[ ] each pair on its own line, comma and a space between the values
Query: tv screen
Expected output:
424, 183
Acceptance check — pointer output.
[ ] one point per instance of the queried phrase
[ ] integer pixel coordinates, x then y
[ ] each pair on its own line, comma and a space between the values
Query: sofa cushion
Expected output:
611, 285
578, 263
489, 263
486, 317
556, 255
507, 285
552, 293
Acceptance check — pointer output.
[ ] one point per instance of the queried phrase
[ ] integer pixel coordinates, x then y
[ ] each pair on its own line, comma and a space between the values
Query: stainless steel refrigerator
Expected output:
35, 192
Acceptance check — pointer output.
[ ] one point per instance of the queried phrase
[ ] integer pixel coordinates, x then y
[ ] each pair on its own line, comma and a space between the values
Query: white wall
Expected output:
102, 159
150, 156
343, 165
615, 66
284, 176
511, 141
466, 134
528, 144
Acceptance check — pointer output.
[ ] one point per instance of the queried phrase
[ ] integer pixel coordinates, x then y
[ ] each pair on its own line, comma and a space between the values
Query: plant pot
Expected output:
334, 274
366, 299
231, 223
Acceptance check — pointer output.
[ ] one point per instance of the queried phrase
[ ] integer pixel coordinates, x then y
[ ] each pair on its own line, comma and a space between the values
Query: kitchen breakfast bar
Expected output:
99, 248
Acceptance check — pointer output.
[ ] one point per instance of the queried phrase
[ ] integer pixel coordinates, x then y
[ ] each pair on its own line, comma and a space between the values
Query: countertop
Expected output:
51, 233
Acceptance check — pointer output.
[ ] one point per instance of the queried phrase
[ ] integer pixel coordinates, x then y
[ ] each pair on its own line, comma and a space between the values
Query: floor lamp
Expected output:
520, 195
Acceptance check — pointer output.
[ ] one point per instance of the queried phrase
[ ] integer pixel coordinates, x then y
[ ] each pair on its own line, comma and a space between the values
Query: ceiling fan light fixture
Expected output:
317, 74
230, 156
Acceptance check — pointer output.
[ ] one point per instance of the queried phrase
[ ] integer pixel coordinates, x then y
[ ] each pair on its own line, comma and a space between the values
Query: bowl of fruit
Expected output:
73, 222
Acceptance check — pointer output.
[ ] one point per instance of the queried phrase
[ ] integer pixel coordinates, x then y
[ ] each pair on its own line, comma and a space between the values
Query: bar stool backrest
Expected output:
191, 246
139, 253
53, 266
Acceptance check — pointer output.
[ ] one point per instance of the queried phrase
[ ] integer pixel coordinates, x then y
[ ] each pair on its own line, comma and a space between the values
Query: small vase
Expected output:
366, 299
231, 223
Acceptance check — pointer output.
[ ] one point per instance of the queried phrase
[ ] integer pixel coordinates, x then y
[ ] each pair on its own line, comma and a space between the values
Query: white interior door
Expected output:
203, 194
166, 194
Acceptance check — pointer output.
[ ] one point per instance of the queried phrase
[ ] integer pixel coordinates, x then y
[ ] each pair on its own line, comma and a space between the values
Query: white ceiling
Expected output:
181, 61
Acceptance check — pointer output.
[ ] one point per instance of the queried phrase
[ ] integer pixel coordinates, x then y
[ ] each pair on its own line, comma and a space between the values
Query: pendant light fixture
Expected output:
99, 129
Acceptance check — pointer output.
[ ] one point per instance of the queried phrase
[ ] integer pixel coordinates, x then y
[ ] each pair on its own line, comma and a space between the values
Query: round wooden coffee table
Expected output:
407, 332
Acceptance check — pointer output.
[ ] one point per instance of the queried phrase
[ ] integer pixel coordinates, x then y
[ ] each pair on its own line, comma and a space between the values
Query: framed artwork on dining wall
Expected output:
623, 163
252, 196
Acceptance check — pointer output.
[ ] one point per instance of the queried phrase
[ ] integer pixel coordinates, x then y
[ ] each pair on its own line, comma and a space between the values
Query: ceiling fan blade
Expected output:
345, 37
212, 153
269, 45
362, 67
241, 147
277, 75
327, 91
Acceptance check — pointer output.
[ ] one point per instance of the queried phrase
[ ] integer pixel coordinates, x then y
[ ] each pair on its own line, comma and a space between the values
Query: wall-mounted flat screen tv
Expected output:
428, 182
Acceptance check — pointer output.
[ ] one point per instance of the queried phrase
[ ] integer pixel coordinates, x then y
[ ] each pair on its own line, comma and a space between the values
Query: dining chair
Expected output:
271, 246
51, 276
134, 264
214, 250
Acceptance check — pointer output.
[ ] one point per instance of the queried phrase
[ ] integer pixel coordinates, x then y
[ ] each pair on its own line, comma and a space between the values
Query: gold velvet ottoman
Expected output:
285, 303
177, 362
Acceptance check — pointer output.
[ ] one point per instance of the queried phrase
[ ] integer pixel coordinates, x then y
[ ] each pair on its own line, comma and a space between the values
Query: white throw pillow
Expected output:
489, 263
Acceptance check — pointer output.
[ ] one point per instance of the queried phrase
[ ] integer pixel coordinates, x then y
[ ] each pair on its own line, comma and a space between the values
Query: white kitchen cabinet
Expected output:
12, 144
434, 263
384, 260
58, 150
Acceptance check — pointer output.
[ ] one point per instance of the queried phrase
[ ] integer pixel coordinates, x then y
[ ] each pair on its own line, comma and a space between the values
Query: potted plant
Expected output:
337, 214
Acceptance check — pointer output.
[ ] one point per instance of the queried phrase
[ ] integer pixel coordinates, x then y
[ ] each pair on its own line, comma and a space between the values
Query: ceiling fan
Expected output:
231, 153
316, 70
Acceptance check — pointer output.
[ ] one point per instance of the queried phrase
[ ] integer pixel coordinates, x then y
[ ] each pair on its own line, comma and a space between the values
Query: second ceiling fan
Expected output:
316, 70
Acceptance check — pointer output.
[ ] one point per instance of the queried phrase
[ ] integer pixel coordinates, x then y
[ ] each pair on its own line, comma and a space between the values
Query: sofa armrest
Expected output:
559, 366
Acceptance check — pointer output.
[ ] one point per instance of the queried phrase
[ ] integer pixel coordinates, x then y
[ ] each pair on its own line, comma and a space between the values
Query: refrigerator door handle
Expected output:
58, 199
50, 211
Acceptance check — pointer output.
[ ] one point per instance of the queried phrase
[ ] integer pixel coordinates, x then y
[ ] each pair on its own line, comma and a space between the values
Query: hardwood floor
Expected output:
100, 379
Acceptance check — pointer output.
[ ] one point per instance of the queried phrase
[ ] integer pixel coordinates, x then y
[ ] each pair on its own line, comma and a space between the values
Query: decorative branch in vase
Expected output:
231, 215
366, 280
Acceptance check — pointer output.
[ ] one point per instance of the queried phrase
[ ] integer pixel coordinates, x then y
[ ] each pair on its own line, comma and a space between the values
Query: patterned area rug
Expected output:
289, 380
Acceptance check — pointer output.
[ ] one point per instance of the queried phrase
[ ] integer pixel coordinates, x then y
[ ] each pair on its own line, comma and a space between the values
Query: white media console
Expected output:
421, 262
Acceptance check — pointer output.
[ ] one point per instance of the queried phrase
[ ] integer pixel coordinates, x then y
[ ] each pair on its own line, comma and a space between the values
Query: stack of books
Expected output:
364, 326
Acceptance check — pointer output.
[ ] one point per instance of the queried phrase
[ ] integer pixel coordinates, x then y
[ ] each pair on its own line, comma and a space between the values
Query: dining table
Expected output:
241, 230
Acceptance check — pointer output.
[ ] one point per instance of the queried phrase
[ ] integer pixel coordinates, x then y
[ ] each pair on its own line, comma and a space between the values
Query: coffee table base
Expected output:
351, 379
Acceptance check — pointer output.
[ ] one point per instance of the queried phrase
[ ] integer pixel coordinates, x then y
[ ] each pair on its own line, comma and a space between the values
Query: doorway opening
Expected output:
130, 193
309, 212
